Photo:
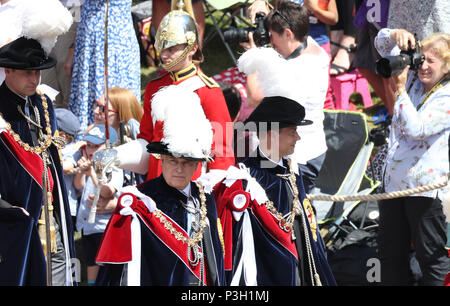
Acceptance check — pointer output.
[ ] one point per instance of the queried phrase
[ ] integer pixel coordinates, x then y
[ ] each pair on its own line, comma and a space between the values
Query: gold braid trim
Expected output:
286, 223
220, 232
43, 144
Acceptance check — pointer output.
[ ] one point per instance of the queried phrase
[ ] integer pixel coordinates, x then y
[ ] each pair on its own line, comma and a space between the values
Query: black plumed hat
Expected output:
278, 109
187, 132
25, 54
160, 148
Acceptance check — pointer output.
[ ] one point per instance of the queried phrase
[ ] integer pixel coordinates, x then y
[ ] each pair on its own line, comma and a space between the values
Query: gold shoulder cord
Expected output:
287, 224
209, 82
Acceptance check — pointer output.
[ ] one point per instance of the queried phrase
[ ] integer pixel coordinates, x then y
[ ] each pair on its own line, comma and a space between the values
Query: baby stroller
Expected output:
349, 229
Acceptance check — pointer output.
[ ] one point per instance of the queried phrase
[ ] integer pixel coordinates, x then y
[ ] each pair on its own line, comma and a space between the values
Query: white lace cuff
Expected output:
385, 45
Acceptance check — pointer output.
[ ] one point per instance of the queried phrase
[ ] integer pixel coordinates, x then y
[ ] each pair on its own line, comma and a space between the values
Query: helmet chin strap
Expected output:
176, 61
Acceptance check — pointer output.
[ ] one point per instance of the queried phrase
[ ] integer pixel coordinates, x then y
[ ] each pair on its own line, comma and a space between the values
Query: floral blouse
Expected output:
418, 152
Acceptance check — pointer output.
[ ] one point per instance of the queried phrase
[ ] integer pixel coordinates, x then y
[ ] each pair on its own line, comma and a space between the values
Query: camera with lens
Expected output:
260, 33
390, 65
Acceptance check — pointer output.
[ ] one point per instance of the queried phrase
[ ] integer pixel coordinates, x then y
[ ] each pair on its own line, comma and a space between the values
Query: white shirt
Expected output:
101, 220
10, 26
187, 192
311, 75
72, 3
303, 79
418, 144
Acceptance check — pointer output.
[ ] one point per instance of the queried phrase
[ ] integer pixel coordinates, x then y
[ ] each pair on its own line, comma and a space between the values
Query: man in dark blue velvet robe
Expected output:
273, 243
163, 259
165, 231
22, 259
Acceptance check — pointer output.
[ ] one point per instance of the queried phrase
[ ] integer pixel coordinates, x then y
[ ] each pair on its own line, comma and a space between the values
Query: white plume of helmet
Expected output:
44, 21
187, 131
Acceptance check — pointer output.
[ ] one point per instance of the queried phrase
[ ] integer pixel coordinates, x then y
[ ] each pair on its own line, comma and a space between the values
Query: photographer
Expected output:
417, 156
306, 66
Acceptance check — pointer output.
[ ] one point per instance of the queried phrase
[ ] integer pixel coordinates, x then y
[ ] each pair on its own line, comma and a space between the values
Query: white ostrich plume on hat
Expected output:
273, 72
187, 131
44, 21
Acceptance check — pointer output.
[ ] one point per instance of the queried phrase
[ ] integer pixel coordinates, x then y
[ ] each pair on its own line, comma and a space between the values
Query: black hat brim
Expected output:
277, 109
25, 54
48, 63
158, 147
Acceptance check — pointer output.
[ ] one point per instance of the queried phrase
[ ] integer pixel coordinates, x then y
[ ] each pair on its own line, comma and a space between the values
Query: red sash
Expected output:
271, 225
116, 244
224, 202
30, 162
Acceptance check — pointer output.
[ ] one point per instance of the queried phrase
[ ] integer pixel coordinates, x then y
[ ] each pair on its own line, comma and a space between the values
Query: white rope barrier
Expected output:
375, 197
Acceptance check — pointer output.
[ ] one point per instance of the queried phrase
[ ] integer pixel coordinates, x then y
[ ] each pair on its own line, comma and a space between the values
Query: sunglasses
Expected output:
277, 12
101, 108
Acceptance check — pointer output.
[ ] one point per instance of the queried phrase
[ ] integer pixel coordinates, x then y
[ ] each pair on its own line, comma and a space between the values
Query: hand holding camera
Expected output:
404, 39
409, 56
258, 6
259, 34
250, 37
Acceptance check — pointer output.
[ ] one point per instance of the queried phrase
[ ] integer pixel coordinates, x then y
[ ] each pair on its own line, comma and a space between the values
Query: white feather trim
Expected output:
273, 72
160, 102
44, 21
186, 129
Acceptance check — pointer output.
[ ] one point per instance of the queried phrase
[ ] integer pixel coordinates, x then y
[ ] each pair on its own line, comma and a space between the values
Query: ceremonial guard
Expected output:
270, 230
36, 242
177, 47
166, 232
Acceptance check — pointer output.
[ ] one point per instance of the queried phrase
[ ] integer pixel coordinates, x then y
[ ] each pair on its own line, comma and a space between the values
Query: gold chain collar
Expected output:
178, 235
43, 143
286, 223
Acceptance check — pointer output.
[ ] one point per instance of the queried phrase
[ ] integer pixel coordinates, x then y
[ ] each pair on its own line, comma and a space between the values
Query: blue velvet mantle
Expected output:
22, 260
159, 265
275, 264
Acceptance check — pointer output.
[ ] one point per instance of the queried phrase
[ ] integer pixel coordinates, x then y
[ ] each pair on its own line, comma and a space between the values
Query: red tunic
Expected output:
215, 108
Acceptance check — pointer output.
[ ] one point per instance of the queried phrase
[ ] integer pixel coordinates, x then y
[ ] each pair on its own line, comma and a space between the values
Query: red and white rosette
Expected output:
239, 201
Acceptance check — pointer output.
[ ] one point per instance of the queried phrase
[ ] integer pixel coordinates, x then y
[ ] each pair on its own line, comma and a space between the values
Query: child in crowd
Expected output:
86, 181
68, 127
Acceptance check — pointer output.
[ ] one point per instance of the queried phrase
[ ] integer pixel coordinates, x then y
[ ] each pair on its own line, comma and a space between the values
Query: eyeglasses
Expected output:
276, 11
101, 107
